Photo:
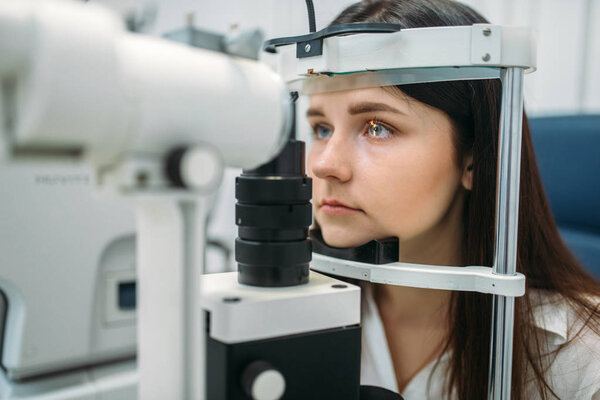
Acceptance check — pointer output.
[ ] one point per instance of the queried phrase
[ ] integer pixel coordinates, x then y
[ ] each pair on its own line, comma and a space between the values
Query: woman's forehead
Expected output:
351, 95
349, 100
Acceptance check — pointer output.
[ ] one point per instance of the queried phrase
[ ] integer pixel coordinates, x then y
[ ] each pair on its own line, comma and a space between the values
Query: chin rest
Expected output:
382, 251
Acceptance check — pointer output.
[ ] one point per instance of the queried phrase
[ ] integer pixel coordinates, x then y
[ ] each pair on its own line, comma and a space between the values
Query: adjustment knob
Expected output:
197, 167
262, 381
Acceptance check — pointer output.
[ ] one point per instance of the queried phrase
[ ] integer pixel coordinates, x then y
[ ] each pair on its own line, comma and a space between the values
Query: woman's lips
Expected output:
337, 208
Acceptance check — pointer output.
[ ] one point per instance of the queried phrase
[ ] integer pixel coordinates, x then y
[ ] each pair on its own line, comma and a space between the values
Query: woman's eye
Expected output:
377, 130
322, 132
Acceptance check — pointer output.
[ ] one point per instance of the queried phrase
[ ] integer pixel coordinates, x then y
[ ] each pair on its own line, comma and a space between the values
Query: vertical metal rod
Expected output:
507, 219
195, 214
171, 336
161, 299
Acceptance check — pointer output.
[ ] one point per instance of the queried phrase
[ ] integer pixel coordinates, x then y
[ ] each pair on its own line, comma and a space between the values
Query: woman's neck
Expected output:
416, 320
414, 308
416, 326
416, 323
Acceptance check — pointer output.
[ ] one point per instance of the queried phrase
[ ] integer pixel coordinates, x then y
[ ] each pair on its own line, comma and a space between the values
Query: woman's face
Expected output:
383, 166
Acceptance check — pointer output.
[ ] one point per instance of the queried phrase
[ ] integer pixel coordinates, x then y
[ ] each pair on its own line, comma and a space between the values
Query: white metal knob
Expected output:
269, 385
262, 381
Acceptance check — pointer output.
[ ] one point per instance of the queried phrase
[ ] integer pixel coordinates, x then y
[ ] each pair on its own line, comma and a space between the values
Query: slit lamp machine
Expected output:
158, 121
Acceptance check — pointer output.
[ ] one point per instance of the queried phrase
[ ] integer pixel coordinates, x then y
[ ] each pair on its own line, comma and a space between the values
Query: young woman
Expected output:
418, 162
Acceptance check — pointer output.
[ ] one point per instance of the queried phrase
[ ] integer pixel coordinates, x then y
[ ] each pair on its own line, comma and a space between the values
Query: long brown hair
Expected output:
473, 106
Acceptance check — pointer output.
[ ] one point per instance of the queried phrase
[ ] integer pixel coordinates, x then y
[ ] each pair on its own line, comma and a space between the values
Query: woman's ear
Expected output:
467, 173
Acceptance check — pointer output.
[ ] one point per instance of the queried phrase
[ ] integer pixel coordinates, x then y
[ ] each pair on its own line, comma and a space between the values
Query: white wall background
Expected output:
568, 31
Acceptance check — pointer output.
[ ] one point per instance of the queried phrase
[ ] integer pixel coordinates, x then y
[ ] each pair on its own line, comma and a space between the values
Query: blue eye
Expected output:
377, 130
322, 132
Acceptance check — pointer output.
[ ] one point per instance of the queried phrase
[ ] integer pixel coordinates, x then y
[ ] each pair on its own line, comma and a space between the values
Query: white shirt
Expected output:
574, 374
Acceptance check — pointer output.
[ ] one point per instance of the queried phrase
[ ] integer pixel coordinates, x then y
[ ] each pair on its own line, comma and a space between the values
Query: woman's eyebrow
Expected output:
314, 112
359, 108
368, 107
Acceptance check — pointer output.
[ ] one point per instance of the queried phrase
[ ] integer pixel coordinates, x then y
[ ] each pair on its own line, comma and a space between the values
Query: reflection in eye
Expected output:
322, 132
377, 130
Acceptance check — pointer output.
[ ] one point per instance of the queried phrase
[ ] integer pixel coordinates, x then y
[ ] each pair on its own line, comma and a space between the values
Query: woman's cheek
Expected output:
412, 192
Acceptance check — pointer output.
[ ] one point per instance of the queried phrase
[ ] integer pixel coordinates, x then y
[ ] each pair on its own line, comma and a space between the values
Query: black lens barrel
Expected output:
273, 214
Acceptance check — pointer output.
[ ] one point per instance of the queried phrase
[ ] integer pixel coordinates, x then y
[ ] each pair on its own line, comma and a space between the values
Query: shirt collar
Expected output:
550, 312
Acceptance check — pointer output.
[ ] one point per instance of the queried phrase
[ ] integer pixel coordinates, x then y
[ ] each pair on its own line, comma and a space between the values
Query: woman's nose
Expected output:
332, 162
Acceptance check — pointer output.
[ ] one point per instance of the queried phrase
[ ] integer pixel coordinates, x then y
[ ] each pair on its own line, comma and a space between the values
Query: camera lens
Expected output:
273, 214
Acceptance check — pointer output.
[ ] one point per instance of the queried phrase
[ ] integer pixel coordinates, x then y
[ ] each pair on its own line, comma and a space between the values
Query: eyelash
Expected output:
376, 121
393, 132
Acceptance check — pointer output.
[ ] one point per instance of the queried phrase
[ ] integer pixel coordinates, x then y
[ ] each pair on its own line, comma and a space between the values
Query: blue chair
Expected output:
568, 154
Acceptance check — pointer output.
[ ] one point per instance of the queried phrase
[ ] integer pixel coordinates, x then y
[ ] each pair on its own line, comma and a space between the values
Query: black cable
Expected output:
334, 30
294, 96
312, 26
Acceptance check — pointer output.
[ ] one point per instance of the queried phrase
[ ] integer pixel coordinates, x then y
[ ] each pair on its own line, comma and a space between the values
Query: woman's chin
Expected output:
343, 238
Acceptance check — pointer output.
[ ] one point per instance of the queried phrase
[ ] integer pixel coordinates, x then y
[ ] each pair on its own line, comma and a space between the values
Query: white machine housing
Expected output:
73, 83
71, 67
242, 313
64, 251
